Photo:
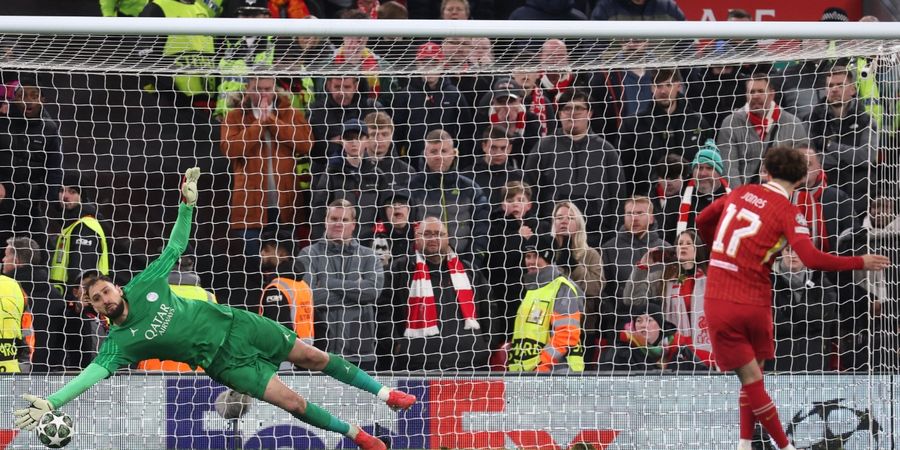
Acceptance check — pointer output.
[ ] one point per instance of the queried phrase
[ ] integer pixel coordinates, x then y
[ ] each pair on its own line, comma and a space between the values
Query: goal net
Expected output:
503, 227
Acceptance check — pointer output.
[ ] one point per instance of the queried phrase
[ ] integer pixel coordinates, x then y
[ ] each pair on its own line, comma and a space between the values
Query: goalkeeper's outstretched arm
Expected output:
110, 357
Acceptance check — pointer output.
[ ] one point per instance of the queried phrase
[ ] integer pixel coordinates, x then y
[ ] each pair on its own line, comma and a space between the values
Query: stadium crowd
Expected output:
455, 218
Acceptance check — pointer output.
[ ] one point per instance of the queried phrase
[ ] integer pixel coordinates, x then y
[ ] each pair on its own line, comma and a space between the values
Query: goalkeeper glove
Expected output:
189, 186
27, 418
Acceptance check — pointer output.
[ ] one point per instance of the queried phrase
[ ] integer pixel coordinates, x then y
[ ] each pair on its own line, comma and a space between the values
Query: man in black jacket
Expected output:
669, 126
30, 163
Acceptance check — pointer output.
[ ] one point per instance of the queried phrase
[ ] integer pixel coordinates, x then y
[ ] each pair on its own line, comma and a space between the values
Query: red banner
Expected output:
768, 10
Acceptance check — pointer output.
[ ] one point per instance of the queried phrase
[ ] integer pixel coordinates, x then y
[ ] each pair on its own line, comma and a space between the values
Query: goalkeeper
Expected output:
236, 348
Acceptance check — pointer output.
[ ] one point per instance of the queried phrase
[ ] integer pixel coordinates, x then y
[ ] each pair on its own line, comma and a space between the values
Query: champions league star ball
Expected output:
55, 429
832, 425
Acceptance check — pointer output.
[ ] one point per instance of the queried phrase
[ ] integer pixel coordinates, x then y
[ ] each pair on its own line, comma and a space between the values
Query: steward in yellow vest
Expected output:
547, 334
194, 55
15, 326
81, 244
286, 298
243, 56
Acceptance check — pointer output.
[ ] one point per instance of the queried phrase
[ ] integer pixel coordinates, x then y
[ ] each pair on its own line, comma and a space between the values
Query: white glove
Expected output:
472, 324
189, 187
27, 418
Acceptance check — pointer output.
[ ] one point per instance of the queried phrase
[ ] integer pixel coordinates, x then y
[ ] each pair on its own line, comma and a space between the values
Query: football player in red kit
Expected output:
747, 229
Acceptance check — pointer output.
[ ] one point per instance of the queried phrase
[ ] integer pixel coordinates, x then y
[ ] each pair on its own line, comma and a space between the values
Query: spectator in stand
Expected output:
805, 309
25, 280
393, 244
119, 8
511, 225
548, 10
677, 276
649, 343
670, 174
669, 126
637, 10
341, 101
864, 313
393, 236
352, 177
535, 100
554, 53
346, 279
238, 55
463, 54
286, 298
382, 150
441, 191
30, 163
495, 169
828, 210
800, 84
446, 302
547, 336
705, 185
428, 102
354, 55
311, 52
630, 91
636, 237
262, 137
580, 262
749, 132
392, 49
503, 107
455, 10
844, 133
579, 166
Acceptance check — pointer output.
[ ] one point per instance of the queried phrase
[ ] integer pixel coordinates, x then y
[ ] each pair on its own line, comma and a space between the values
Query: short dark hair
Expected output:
761, 76
87, 285
666, 74
26, 250
574, 95
353, 14
838, 70
514, 188
673, 166
494, 132
738, 13
786, 163
392, 10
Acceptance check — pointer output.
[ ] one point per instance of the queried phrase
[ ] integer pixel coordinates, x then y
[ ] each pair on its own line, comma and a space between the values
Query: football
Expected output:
55, 429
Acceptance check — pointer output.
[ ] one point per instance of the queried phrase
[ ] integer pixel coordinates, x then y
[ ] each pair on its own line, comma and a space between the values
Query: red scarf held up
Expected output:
538, 107
687, 203
809, 201
422, 318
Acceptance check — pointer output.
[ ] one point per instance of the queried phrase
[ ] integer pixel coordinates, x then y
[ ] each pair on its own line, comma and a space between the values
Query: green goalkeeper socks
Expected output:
320, 418
342, 370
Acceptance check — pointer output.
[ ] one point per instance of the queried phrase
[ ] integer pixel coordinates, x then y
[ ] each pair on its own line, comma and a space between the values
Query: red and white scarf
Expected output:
684, 209
538, 107
809, 201
554, 89
423, 317
763, 124
517, 128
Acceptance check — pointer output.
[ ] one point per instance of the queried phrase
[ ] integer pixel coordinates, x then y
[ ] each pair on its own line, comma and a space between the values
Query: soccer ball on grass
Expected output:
55, 429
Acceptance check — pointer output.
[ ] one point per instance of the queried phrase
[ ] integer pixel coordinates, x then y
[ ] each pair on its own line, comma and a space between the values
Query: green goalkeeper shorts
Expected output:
251, 353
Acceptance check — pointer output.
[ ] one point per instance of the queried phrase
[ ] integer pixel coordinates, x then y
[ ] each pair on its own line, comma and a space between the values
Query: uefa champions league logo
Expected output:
830, 425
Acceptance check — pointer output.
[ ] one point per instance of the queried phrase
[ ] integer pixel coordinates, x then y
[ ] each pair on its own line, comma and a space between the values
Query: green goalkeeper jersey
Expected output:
160, 324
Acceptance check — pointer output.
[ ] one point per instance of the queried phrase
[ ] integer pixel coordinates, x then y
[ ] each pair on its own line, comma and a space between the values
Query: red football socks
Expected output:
748, 419
765, 412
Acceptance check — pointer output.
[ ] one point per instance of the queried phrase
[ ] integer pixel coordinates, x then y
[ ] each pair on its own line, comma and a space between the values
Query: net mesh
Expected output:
379, 197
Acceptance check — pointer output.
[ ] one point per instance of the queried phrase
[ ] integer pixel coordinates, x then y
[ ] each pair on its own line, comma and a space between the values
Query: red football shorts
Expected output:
739, 333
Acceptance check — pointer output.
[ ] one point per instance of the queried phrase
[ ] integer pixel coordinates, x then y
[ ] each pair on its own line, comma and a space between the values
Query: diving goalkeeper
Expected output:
236, 348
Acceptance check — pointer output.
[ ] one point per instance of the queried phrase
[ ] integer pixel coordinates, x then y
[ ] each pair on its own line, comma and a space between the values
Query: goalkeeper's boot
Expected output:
366, 441
398, 400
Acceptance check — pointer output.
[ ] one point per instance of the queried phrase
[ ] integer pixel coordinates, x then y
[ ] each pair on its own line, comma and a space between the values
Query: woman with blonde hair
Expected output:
577, 260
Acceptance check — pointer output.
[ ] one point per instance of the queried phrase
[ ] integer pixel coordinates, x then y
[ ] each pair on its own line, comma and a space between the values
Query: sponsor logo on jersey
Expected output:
160, 323
801, 219
152, 297
134, 331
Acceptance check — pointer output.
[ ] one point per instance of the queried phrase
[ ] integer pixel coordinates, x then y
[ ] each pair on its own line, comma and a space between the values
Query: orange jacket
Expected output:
244, 142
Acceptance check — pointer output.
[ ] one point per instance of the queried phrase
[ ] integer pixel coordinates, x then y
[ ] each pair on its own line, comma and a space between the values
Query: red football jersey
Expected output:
753, 224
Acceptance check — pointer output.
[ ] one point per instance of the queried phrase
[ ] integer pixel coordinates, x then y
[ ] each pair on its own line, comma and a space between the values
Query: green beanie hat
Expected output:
709, 154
